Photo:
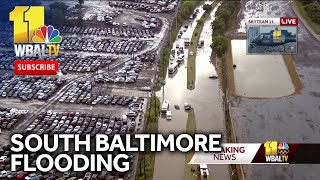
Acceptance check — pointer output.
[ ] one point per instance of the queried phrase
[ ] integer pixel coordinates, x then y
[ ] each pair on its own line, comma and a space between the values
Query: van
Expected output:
169, 117
165, 106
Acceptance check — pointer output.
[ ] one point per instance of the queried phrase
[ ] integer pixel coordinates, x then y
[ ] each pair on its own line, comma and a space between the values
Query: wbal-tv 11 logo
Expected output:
276, 152
32, 38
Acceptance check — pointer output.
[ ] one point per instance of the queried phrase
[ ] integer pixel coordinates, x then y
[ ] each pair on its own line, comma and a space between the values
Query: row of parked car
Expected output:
76, 63
110, 31
6, 172
138, 6
10, 116
81, 93
6, 59
82, 123
29, 87
128, 73
104, 16
123, 46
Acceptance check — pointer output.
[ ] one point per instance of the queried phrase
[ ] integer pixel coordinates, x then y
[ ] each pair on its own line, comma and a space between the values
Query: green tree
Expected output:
219, 26
224, 13
219, 45
313, 10
207, 7
306, 1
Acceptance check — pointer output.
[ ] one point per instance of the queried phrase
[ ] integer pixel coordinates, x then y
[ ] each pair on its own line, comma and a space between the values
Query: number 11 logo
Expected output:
26, 19
271, 148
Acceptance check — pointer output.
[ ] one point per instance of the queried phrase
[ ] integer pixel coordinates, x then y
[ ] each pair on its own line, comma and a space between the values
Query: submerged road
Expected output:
206, 99
293, 119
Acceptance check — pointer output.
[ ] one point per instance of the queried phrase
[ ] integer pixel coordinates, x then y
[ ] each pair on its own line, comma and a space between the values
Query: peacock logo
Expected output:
46, 34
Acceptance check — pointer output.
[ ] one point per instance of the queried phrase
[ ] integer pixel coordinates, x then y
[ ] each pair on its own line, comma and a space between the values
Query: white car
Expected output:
98, 125
135, 99
131, 113
187, 106
4, 174
108, 131
3, 158
191, 53
169, 115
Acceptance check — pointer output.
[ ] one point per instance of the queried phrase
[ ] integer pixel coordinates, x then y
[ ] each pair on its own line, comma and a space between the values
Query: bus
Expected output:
172, 68
165, 106
204, 172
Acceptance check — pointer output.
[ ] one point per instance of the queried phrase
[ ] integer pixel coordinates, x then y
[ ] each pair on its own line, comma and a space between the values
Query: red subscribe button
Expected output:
33, 68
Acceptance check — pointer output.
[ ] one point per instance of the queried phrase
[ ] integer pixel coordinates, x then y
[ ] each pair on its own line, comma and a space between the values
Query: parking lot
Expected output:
82, 123
81, 93
28, 88
107, 62
123, 46
10, 116
119, 31
160, 7
82, 64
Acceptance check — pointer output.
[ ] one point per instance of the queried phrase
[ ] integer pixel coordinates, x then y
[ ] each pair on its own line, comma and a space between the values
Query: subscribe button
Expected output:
32, 68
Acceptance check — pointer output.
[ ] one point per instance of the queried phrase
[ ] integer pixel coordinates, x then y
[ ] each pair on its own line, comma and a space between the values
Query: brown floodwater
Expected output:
206, 99
259, 76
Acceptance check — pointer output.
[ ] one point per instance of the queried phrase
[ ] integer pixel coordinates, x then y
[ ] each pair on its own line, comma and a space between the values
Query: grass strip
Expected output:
191, 64
296, 81
191, 129
186, 9
145, 166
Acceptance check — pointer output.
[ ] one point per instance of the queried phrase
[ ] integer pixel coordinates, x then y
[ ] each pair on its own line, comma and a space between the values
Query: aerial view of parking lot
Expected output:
159, 67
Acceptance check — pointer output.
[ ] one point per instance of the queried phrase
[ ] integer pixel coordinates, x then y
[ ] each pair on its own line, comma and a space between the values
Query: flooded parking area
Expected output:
259, 76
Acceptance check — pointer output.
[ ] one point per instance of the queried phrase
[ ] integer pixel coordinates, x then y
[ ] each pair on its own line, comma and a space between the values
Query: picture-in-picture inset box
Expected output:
272, 35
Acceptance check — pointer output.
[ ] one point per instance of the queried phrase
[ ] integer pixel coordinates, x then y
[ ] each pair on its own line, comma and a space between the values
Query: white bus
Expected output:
173, 67
204, 172
165, 106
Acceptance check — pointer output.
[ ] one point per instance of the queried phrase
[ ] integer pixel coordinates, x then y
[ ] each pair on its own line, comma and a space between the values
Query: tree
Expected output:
219, 26
306, 1
207, 7
56, 13
224, 13
313, 11
219, 45
81, 2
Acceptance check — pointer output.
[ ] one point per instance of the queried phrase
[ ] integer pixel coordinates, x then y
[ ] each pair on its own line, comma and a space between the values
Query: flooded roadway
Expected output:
205, 99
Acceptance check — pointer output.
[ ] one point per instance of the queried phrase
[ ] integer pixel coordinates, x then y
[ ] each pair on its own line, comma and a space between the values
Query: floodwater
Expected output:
205, 99
259, 76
